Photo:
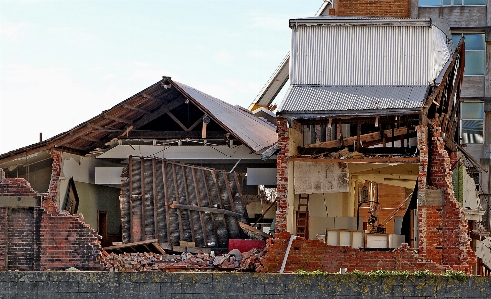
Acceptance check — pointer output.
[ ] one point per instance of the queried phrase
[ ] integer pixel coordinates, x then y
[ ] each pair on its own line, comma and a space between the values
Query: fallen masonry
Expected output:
148, 261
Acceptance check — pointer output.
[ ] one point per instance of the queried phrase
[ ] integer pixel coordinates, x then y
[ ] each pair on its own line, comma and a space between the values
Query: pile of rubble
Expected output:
147, 261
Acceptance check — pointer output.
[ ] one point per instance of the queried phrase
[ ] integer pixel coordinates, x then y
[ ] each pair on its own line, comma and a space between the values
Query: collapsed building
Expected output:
368, 146
170, 168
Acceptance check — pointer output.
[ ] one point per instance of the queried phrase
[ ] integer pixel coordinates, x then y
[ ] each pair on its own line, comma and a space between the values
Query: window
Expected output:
474, 53
451, 2
472, 122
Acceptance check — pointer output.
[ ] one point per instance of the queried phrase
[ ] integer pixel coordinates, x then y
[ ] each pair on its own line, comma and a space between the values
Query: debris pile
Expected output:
148, 261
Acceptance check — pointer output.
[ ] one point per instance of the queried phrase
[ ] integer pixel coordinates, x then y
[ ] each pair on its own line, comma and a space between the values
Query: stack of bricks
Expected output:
374, 8
311, 255
34, 238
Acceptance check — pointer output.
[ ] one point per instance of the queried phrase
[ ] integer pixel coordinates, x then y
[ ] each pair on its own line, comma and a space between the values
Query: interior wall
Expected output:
95, 197
38, 174
256, 207
319, 220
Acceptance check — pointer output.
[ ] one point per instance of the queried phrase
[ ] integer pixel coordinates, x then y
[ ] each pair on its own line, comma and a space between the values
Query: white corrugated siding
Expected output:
367, 55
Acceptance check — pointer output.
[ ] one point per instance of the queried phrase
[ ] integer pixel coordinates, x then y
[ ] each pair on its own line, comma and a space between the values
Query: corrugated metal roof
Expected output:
328, 51
302, 98
256, 133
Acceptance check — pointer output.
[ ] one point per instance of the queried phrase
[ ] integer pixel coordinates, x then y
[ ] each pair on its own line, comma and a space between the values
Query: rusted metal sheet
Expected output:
353, 98
256, 133
174, 202
337, 51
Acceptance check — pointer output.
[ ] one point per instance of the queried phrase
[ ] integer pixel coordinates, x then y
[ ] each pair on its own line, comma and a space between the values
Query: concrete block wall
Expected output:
35, 238
54, 285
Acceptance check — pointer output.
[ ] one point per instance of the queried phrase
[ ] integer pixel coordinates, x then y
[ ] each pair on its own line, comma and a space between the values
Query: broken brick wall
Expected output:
35, 238
371, 8
282, 174
311, 255
443, 229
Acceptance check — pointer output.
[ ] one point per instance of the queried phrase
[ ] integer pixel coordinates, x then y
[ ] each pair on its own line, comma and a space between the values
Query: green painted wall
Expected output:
96, 197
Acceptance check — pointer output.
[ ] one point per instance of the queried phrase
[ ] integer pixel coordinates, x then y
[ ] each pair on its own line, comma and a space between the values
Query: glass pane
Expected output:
430, 2
473, 110
457, 2
456, 39
474, 63
447, 2
472, 131
474, 41
475, 2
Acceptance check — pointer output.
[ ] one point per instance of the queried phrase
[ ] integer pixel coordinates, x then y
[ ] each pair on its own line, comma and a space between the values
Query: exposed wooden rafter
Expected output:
370, 137
118, 119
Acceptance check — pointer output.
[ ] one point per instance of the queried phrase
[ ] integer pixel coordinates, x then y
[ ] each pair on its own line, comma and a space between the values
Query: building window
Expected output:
474, 53
451, 2
472, 122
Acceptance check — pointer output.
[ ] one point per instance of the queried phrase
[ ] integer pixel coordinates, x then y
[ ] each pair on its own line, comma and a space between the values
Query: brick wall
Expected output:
443, 229
311, 255
374, 8
282, 174
456, 250
35, 238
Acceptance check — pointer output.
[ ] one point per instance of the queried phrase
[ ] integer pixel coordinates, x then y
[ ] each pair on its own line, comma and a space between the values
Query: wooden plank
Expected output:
207, 189
166, 200
133, 245
118, 119
176, 205
142, 182
358, 137
198, 198
197, 122
155, 208
254, 230
159, 248
229, 191
181, 228
126, 106
191, 249
413, 160
173, 103
191, 221
363, 138
135, 134
262, 216
130, 170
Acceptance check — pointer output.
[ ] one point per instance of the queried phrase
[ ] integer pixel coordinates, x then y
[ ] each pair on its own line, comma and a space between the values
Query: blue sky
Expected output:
63, 62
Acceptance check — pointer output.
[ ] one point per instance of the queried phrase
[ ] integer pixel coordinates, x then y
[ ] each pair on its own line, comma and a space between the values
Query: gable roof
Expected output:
96, 134
253, 131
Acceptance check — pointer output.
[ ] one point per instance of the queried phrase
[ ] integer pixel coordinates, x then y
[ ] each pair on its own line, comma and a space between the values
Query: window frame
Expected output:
462, 119
483, 50
449, 5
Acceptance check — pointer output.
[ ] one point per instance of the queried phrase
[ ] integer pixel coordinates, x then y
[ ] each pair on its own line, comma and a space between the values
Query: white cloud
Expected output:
73, 35
223, 56
108, 76
269, 21
14, 31
48, 100
141, 64
147, 75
